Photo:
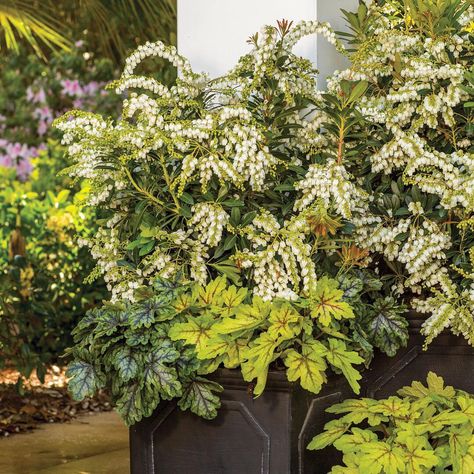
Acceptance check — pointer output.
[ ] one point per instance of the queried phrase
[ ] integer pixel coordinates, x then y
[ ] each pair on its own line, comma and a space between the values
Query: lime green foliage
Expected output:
424, 429
252, 333
161, 345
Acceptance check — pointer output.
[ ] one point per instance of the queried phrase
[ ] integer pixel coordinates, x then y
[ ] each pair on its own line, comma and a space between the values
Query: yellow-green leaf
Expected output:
379, 456
338, 356
419, 459
231, 298
213, 290
435, 387
391, 406
333, 430
195, 331
283, 321
460, 438
352, 442
358, 409
247, 317
466, 405
258, 358
326, 302
309, 368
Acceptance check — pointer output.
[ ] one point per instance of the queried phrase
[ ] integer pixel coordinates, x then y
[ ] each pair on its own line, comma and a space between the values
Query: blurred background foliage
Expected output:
55, 56
111, 27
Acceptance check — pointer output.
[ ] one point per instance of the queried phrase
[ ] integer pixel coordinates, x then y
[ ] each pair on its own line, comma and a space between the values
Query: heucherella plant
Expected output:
162, 345
415, 58
422, 430
223, 240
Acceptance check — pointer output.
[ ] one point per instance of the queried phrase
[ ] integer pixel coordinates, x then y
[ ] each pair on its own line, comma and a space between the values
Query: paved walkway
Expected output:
93, 444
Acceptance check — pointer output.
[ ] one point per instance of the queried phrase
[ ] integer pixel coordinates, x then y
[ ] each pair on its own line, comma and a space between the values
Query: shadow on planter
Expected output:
270, 434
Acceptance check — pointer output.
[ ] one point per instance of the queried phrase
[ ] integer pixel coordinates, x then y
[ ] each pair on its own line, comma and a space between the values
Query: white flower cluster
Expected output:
448, 308
209, 221
332, 184
425, 90
280, 256
182, 139
418, 87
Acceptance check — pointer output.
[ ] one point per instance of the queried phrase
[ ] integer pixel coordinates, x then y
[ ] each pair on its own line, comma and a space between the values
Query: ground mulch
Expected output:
49, 402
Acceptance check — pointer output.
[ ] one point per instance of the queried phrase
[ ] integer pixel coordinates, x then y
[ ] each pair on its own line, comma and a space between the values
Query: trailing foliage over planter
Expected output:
162, 344
424, 429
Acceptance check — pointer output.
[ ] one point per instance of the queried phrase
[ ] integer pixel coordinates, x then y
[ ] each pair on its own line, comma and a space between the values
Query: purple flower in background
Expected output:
78, 103
43, 113
42, 127
24, 169
6, 161
18, 156
79, 44
38, 97
72, 88
91, 88
14, 150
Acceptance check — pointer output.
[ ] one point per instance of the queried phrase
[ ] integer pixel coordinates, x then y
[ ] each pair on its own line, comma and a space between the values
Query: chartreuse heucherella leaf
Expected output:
338, 356
195, 331
327, 302
308, 366
426, 429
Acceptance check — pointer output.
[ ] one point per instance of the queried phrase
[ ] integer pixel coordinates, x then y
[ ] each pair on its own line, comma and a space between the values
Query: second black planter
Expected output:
269, 435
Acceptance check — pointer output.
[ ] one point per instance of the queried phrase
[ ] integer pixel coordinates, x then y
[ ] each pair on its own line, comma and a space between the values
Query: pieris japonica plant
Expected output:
416, 58
227, 236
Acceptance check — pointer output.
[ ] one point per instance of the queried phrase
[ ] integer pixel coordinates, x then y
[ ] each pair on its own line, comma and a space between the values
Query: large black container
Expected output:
270, 434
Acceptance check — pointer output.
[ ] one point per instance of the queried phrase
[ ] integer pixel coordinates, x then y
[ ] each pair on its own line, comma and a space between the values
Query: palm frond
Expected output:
116, 26
23, 20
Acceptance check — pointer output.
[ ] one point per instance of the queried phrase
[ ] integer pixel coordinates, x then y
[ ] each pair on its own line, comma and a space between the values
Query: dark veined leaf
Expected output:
350, 286
147, 312
167, 289
386, 326
142, 314
85, 380
134, 404
160, 377
110, 320
135, 337
125, 361
200, 397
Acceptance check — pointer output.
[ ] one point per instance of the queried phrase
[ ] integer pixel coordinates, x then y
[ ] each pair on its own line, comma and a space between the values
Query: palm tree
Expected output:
111, 26
24, 20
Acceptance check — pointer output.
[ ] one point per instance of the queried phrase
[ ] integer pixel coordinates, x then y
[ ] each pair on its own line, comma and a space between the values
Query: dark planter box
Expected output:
269, 435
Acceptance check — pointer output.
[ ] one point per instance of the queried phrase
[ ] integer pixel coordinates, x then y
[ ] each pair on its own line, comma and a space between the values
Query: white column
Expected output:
213, 33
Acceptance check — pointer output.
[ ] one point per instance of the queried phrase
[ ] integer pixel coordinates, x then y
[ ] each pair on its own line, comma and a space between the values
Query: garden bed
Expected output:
37, 403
